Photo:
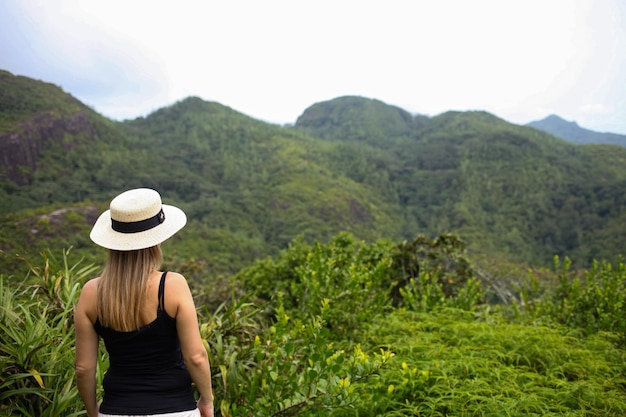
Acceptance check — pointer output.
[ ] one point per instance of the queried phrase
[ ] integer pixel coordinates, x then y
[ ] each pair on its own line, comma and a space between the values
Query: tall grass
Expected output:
37, 340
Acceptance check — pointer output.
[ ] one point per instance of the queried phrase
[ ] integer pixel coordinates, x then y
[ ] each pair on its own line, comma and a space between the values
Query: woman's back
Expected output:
147, 319
151, 355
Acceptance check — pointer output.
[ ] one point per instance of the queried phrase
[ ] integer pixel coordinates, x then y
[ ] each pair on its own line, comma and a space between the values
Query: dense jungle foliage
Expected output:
362, 262
355, 329
350, 164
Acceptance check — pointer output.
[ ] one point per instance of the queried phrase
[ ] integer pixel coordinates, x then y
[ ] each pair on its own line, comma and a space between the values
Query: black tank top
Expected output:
147, 374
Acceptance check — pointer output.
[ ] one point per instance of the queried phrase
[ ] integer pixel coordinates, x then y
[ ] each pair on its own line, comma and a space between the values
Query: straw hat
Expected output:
135, 220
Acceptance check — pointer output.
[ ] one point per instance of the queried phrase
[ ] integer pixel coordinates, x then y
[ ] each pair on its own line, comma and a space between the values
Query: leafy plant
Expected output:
425, 293
36, 341
290, 368
593, 301
314, 331
352, 275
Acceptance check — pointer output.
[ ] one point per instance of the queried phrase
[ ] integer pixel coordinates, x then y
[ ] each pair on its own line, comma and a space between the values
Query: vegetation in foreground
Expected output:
355, 329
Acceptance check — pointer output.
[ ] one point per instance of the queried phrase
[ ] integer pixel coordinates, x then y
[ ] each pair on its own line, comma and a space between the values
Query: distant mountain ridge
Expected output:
572, 132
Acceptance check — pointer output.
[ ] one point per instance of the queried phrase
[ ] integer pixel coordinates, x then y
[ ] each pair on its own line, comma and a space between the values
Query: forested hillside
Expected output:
248, 187
508, 190
348, 164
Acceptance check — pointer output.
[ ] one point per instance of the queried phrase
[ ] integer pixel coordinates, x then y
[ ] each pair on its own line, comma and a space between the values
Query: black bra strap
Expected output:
162, 293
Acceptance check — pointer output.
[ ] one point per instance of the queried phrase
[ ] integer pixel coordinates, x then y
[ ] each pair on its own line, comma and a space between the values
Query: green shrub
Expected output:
37, 341
290, 368
354, 277
317, 334
426, 293
593, 300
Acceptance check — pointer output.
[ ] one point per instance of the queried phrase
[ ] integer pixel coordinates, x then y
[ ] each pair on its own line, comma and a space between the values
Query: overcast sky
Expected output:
521, 60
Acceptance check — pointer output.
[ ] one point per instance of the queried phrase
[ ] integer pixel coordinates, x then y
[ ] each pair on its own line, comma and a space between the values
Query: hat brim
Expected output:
102, 233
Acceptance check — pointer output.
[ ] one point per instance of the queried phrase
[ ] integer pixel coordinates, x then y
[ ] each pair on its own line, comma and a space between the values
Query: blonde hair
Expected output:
123, 286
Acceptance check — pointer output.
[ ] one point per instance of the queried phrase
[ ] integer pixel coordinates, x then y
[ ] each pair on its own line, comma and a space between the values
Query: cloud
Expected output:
595, 108
273, 59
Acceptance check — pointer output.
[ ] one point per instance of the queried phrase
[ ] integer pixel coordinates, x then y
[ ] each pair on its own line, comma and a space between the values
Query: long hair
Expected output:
123, 286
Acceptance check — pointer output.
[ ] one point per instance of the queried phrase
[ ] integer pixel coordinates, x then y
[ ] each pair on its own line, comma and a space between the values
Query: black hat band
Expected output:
140, 226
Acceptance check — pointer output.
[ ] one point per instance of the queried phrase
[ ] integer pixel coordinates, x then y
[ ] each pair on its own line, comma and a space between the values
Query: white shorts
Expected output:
190, 413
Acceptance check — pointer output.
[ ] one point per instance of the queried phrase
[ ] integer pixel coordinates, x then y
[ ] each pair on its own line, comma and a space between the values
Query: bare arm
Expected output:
194, 352
86, 348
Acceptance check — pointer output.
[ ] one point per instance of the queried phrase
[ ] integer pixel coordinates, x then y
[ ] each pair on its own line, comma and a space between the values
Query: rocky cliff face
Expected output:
21, 148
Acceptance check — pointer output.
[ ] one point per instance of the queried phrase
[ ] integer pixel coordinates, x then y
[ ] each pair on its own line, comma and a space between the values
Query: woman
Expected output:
147, 319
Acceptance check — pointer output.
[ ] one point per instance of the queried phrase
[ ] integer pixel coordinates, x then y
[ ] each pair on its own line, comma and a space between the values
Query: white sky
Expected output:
521, 60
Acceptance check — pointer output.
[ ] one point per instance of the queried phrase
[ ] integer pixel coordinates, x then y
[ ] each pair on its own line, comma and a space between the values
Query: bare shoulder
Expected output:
87, 302
176, 287
90, 288
176, 280
178, 294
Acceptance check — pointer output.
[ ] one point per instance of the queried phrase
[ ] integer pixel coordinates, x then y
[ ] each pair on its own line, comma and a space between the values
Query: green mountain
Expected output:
508, 190
571, 132
348, 164
248, 187
357, 119
54, 148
